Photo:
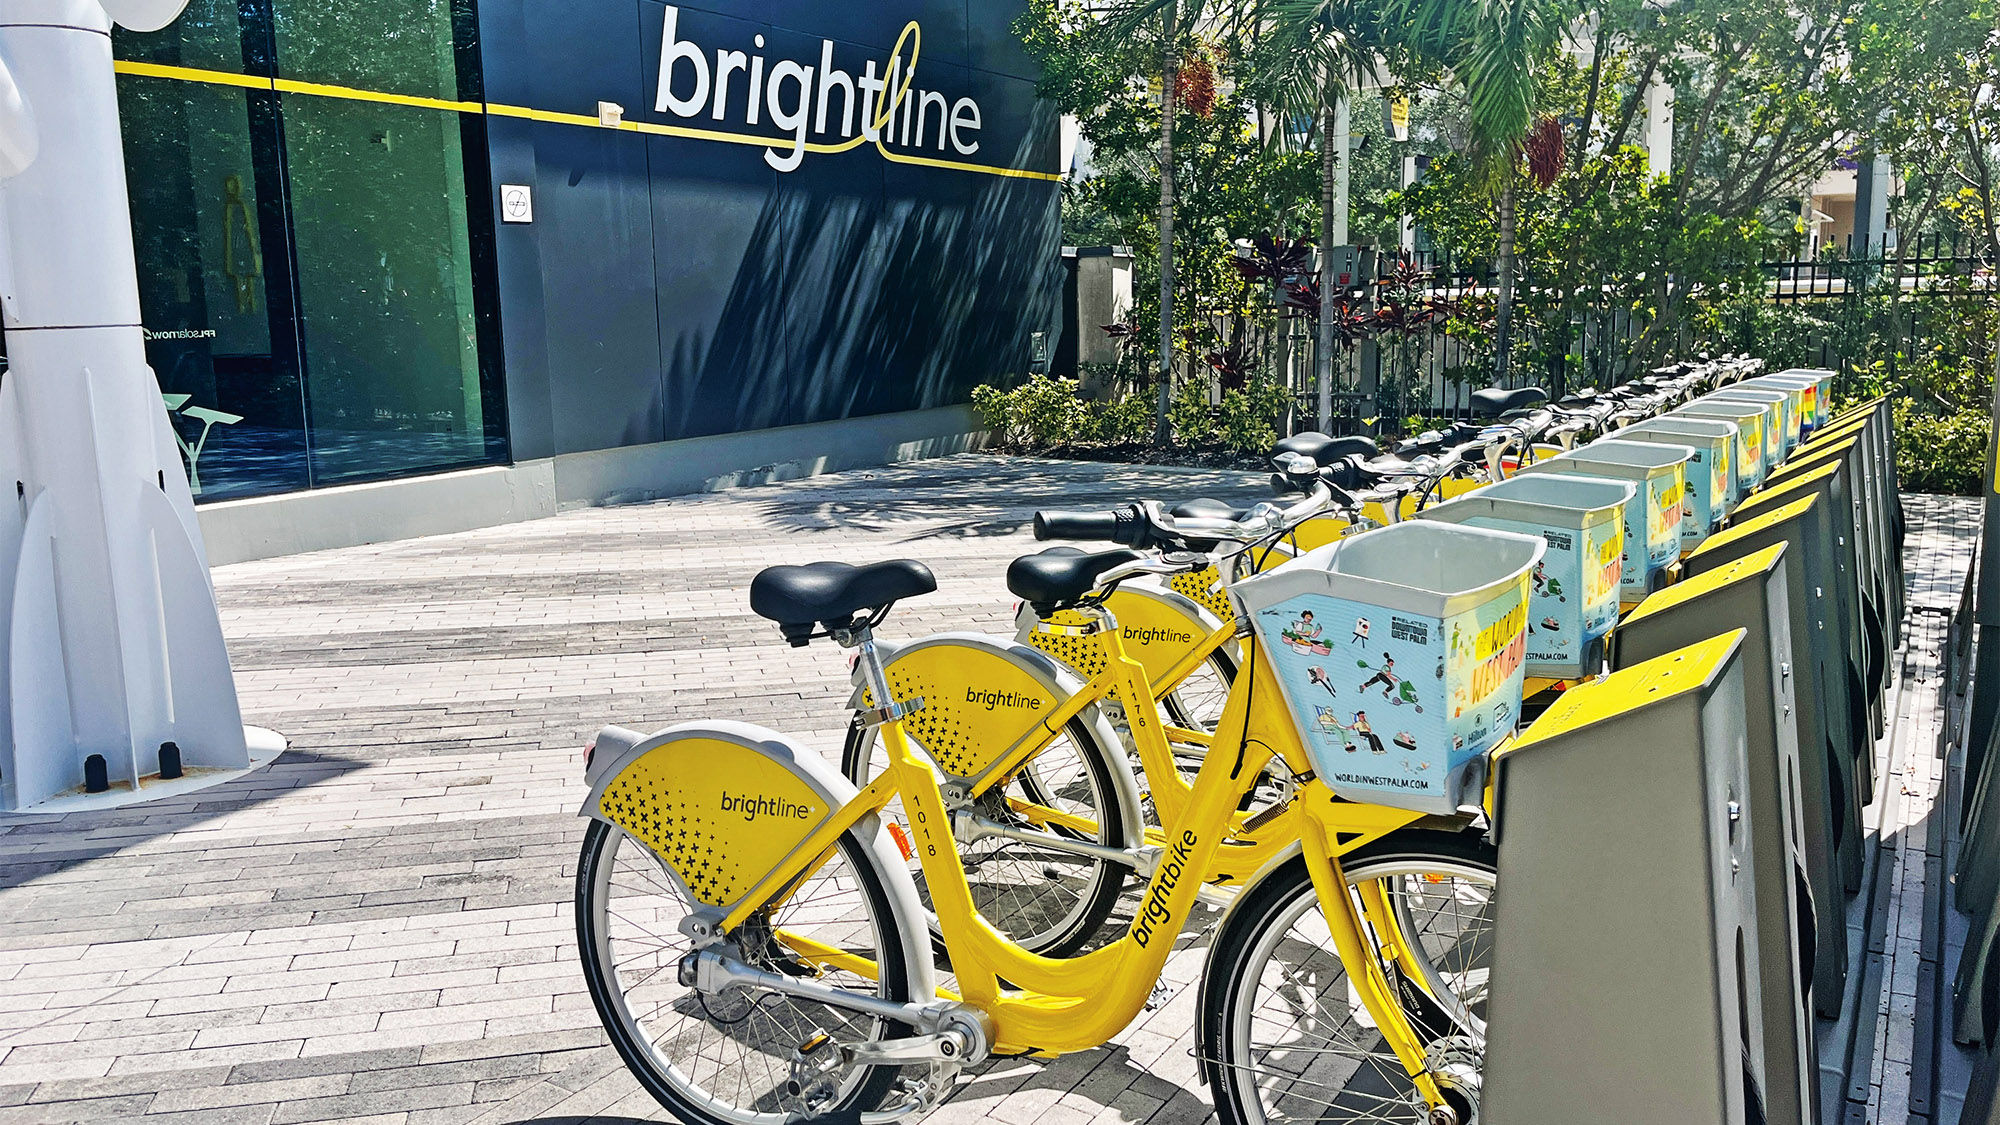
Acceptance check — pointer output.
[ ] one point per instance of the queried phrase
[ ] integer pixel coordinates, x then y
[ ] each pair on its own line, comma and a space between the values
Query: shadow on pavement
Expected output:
74, 838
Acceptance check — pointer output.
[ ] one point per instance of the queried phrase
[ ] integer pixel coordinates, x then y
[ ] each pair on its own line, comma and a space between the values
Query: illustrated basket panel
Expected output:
1653, 516
1818, 384
1709, 478
1400, 654
1778, 439
1749, 454
1573, 590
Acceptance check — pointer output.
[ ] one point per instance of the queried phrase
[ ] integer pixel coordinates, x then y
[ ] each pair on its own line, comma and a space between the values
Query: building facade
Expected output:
381, 239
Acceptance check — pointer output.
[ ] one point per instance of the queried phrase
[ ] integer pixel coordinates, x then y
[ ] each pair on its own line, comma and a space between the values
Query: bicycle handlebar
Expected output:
1147, 525
1125, 526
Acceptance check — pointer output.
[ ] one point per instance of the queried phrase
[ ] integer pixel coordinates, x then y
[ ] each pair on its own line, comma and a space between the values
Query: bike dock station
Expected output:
1792, 853
1653, 1033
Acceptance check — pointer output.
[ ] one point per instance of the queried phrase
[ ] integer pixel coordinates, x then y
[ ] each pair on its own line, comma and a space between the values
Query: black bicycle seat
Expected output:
1060, 576
1326, 450
1495, 401
1204, 508
797, 597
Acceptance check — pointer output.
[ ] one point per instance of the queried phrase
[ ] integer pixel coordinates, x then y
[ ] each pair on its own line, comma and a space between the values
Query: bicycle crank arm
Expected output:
821, 1061
963, 1034
968, 827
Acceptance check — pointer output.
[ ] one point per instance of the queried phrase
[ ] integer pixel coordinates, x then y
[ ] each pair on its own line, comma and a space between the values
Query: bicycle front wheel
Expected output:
1046, 900
727, 1058
1284, 1035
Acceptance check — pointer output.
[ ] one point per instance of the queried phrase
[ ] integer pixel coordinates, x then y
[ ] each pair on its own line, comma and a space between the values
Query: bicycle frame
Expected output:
1255, 840
1049, 1007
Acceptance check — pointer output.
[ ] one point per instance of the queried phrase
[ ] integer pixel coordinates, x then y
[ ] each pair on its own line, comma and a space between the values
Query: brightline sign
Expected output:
884, 104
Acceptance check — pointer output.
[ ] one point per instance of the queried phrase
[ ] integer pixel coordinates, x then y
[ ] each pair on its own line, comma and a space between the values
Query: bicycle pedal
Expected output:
815, 1065
1157, 997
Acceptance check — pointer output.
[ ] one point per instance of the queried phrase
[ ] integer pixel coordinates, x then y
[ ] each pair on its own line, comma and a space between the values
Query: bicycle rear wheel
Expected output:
1283, 1034
726, 1058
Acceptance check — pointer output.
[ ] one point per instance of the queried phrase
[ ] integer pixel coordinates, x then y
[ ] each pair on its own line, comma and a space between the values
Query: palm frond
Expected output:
1494, 48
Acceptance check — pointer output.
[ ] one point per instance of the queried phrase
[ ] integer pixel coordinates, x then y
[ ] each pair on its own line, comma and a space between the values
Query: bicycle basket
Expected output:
1573, 598
1400, 656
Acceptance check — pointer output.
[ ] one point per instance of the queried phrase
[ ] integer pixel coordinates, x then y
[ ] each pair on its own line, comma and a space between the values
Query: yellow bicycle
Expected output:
1081, 793
754, 941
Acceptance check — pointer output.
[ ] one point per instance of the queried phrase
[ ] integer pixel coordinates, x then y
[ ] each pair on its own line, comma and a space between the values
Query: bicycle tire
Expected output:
1198, 706
1013, 908
1375, 1088
642, 1051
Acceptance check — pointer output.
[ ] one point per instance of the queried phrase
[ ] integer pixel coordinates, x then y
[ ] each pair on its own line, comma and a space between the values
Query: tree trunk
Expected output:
1329, 166
1169, 73
1503, 303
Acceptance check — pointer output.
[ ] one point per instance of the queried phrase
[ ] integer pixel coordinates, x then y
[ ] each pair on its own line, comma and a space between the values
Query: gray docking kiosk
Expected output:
1752, 594
1624, 949
1828, 597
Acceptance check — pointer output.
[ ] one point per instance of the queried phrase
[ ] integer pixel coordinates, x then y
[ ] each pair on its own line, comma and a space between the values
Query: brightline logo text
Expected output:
799, 99
753, 807
992, 699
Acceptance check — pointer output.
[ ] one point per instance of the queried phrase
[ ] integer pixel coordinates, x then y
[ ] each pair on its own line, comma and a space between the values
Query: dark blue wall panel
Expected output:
594, 226
675, 286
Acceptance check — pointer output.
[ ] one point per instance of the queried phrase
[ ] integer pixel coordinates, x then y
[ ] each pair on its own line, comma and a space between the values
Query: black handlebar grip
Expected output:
1120, 525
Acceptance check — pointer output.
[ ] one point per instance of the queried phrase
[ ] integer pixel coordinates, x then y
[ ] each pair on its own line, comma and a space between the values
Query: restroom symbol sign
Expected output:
517, 203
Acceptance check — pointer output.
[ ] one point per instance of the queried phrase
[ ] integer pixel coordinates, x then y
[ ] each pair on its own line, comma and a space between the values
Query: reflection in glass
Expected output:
393, 46
208, 36
385, 288
234, 402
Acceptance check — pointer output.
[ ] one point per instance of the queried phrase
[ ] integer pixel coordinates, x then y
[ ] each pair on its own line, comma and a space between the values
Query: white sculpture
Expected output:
112, 644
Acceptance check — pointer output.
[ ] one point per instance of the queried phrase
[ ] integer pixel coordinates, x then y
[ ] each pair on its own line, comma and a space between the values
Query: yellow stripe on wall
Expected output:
496, 109
191, 74
320, 90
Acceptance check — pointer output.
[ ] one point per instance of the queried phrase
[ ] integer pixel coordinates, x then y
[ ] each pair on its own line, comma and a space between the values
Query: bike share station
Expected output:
1745, 691
1749, 682
1665, 670
1703, 652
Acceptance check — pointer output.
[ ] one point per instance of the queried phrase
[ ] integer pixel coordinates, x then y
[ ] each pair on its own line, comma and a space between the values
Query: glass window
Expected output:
205, 241
208, 36
389, 46
385, 288
306, 274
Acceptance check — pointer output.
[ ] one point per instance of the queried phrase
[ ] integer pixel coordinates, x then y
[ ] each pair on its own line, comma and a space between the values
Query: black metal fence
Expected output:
1875, 306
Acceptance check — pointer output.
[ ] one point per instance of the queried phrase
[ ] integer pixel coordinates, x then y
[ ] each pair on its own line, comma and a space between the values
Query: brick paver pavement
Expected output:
378, 927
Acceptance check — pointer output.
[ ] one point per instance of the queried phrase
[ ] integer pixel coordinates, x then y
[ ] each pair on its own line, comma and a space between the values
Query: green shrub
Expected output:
1040, 414
1248, 419
1126, 421
1190, 415
995, 408
1941, 452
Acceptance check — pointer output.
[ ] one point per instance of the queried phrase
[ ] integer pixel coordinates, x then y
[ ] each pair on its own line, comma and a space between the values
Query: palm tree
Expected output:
1309, 55
1494, 48
1172, 18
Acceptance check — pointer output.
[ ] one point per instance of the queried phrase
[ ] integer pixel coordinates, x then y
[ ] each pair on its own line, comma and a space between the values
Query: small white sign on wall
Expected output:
517, 203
